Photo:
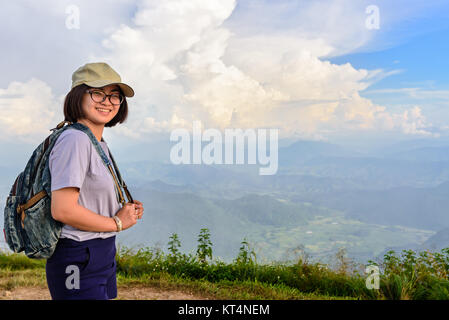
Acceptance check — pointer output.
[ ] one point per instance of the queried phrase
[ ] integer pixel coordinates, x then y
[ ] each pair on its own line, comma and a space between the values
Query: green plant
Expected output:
204, 249
19, 261
411, 275
246, 254
173, 246
415, 276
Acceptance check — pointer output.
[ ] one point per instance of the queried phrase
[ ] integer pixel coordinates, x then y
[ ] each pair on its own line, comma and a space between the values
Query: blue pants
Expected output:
83, 270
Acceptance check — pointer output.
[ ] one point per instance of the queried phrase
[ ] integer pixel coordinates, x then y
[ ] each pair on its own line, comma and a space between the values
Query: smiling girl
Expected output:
83, 193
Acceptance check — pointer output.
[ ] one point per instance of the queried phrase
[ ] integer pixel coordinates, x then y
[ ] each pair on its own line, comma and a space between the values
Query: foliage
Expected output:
416, 276
204, 249
246, 255
19, 261
411, 275
173, 246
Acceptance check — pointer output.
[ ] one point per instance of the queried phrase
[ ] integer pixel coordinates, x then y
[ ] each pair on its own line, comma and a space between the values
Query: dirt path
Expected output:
127, 293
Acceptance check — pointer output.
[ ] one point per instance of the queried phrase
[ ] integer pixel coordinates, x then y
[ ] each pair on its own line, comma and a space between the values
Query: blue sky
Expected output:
417, 56
421, 60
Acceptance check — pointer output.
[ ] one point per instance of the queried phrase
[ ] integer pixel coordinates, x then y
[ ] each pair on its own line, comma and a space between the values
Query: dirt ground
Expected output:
137, 293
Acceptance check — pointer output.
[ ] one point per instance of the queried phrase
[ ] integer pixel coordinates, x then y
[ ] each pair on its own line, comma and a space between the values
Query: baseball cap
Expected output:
99, 74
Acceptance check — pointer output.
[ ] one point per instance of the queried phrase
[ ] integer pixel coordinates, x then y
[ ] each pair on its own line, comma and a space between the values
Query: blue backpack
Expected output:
28, 223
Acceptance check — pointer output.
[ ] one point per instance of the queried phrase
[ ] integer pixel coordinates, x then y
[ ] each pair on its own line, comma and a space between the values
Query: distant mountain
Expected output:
271, 222
160, 185
229, 221
402, 185
438, 241
265, 210
184, 214
435, 243
323, 160
424, 208
302, 151
429, 154
375, 173
407, 166
409, 145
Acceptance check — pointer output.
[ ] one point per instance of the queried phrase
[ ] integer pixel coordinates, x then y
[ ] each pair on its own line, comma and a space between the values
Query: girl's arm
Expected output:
66, 209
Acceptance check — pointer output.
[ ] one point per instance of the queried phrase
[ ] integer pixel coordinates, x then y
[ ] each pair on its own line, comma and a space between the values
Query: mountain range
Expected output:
324, 197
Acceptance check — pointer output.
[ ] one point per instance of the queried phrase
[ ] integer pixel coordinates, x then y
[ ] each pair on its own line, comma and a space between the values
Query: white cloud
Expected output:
206, 60
337, 23
188, 66
162, 34
413, 122
28, 110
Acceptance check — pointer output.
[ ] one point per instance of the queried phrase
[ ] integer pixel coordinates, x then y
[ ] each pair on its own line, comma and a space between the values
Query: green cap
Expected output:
98, 75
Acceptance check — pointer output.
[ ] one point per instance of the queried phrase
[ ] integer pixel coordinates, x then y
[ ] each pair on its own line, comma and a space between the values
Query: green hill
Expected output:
273, 225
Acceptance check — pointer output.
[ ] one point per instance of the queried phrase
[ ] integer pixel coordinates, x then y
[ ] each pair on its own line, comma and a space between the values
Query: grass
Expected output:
222, 290
19, 262
16, 276
243, 277
411, 275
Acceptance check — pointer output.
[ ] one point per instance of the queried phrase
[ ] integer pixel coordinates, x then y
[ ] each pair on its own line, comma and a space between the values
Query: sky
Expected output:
359, 71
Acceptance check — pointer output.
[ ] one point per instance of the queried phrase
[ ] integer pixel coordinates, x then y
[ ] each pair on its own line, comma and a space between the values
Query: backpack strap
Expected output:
120, 179
38, 196
106, 162
31, 202
46, 145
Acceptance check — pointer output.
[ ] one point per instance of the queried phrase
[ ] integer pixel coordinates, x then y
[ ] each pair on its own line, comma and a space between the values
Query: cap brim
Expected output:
127, 90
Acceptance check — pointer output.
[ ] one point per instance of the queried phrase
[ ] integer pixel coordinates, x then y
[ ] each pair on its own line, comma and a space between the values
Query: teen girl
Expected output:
83, 194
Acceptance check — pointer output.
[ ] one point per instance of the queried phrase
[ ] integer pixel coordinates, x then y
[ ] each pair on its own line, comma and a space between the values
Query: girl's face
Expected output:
97, 112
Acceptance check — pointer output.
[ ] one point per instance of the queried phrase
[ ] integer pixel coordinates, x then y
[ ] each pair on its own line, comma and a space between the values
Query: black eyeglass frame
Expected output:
122, 98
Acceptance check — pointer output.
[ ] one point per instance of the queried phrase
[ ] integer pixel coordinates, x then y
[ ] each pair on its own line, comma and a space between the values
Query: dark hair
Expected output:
73, 110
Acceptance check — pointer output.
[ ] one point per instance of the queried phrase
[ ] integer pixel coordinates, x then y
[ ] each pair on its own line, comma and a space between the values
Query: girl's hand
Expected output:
128, 215
139, 209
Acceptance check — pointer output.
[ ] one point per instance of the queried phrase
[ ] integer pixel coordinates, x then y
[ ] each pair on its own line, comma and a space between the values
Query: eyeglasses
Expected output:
100, 96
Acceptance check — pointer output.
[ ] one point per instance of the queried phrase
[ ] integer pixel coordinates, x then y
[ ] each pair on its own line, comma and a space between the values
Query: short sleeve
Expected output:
69, 160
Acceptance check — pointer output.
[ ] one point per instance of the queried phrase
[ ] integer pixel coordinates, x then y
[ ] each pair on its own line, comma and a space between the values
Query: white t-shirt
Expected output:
74, 162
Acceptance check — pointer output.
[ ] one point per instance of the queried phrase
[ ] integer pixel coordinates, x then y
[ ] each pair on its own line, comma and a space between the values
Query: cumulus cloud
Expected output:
212, 61
413, 122
150, 54
187, 64
28, 110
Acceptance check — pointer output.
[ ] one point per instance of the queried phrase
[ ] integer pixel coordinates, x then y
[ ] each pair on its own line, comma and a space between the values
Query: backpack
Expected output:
28, 223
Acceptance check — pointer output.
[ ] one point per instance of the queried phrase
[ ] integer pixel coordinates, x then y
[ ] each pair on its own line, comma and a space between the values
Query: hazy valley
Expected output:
323, 198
